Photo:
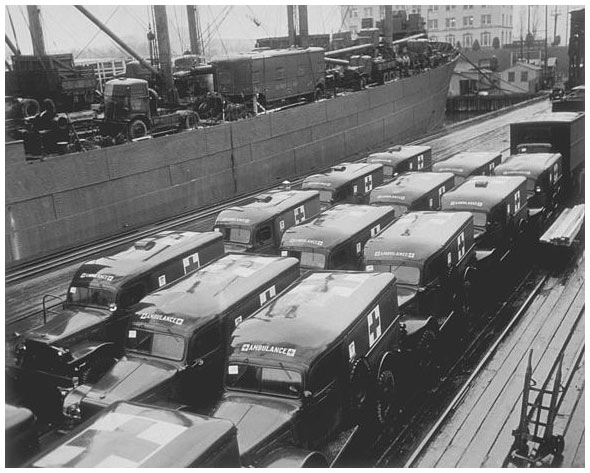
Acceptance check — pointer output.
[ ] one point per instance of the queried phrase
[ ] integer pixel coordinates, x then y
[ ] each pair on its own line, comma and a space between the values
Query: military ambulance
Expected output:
432, 255
335, 238
20, 433
399, 159
131, 435
500, 213
82, 341
177, 337
413, 191
317, 360
469, 163
345, 183
543, 174
259, 226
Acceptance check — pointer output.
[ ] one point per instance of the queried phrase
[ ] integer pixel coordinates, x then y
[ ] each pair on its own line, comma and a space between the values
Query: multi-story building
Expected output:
455, 24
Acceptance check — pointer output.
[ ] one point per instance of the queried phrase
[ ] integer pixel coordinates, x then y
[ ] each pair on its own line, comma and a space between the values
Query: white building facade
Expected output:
455, 24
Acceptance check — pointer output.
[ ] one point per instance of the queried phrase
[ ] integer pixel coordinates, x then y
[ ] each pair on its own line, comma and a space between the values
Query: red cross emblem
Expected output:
374, 325
299, 214
368, 183
267, 295
190, 263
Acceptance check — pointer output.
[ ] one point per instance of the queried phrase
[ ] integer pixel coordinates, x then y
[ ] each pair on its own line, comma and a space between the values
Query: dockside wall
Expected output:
73, 199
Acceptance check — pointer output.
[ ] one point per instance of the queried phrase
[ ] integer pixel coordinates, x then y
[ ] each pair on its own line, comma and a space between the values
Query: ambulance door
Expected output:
264, 240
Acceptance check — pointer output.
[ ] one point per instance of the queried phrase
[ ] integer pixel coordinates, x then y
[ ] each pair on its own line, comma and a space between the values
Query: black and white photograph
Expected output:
294, 236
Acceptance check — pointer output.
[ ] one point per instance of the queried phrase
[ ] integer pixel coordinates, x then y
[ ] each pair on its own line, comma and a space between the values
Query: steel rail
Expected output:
484, 361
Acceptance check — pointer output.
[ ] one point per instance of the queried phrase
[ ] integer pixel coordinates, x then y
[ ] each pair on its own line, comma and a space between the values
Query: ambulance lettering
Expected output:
249, 347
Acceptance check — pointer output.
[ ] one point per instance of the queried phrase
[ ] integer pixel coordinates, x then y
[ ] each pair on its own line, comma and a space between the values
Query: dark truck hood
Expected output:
128, 379
68, 323
257, 419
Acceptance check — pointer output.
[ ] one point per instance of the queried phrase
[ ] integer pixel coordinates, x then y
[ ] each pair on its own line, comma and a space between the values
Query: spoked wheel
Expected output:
386, 395
358, 382
427, 365
136, 129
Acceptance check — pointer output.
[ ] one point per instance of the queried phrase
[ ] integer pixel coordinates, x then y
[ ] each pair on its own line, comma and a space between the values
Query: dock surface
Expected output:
479, 432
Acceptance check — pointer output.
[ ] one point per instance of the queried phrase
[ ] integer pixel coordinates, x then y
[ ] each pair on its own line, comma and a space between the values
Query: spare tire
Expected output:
30, 108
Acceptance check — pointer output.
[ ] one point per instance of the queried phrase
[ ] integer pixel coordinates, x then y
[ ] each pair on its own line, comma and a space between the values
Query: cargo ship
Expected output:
69, 200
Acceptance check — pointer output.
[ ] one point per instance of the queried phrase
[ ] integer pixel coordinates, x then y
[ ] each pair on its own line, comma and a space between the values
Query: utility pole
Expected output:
191, 14
555, 14
36, 30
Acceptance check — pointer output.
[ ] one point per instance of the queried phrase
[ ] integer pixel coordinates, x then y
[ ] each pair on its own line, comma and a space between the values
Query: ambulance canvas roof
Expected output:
144, 255
530, 165
397, 154
552, 117
410, 186
481, 193
339, 175
311, 315
197, 298
130, 435
334, 226
416, 236
267, 205
466, 162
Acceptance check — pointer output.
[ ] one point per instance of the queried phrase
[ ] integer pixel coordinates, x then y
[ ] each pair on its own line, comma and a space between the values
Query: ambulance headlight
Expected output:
73, 411
538, 189
112, 307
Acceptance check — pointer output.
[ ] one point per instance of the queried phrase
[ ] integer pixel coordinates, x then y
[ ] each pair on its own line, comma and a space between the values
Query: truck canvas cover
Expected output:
191, 302
310, 316
130, 435
483, 193
266, 206
467, 163
418, 236
412, 186
336, 225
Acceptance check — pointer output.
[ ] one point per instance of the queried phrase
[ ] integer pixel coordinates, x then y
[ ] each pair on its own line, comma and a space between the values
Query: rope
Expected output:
98, 31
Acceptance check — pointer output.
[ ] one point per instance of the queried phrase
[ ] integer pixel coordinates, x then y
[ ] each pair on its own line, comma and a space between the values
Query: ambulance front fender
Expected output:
290, 457
412, 325
83, 350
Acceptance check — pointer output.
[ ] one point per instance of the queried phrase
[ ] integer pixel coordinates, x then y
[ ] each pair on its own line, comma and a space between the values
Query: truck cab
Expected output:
469, 163
177, 338
345, 183
432, 255
335, 238
413, 191
399, 159
80, 342
302, 368
543, 172
500, 213
259, 226
132, 435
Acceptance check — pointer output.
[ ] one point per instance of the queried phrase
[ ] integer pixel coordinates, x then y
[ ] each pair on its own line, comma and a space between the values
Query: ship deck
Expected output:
479, 432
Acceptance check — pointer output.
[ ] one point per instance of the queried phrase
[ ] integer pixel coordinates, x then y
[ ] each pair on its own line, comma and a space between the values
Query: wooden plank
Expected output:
539, 317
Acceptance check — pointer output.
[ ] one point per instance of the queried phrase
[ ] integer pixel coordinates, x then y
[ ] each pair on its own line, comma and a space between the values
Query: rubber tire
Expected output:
30, 108
358, 383
136, 129
386, 395
95, 369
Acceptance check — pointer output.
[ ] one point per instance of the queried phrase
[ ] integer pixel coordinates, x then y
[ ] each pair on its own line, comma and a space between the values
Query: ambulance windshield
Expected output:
325, 197
405, 274
310, 259
237, 234
161, 345
91, 296
479, 219
261, 379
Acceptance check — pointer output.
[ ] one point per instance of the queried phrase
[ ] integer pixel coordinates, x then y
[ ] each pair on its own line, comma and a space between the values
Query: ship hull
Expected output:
74, 199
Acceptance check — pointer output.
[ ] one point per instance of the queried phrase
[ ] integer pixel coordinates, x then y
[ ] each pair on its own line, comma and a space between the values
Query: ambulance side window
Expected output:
263, 234
131, 295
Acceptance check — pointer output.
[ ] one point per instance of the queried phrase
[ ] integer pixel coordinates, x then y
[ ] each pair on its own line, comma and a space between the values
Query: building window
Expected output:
368, 12
450, 22
486, 20
450, 38
432, 24
524, 76
467, 40
467, 7
511, 76
448, 7
467, 21
354, 13
433, 38
486, 39
502, 19
433, 8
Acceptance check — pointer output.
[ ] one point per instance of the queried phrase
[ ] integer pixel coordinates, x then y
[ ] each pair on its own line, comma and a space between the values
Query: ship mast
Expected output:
165, 54
291, 24
303, 39
194, 29
36, 30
